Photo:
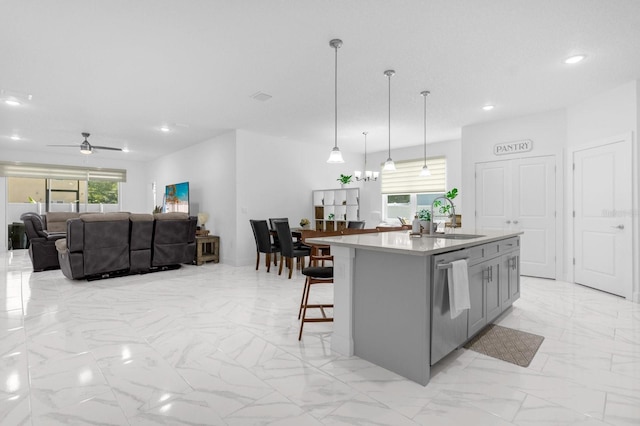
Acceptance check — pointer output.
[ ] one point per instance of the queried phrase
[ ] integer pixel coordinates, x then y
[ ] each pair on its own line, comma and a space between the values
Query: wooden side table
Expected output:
207, 249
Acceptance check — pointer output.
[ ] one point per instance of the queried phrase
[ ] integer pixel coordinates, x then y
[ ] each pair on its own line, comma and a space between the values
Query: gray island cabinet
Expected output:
391, 297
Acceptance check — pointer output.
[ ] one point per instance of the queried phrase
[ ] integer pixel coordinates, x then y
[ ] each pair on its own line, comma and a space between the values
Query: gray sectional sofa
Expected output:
114, 244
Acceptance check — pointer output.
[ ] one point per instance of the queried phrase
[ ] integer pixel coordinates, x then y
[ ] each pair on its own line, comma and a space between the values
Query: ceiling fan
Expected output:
87, 148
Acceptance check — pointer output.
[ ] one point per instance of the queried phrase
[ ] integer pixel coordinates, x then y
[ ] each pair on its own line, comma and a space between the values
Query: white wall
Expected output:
243, 175
371, 199
547, 130
275, 178
609, 114
131, 194
209, 167
604, 115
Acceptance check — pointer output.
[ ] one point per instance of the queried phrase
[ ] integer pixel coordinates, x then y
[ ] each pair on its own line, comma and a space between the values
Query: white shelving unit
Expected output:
333, 208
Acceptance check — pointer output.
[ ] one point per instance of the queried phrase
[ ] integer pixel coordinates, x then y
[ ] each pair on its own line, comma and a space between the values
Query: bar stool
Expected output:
315, 275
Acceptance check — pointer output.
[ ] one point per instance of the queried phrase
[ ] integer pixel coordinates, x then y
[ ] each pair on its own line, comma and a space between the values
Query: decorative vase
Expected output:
427, 228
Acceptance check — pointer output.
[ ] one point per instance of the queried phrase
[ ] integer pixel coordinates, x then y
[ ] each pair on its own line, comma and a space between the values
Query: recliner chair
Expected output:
174, 239
97, 245
42, 244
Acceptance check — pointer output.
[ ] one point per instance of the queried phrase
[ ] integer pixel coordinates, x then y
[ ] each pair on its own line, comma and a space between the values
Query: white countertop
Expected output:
401, 241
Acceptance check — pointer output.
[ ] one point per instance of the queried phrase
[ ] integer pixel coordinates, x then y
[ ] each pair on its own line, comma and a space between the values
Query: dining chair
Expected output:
315, 275
272, 226
288, 251
355, 224
273, 220
263, 243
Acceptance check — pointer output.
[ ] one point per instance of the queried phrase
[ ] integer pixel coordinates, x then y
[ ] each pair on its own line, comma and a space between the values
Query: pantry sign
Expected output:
514, 147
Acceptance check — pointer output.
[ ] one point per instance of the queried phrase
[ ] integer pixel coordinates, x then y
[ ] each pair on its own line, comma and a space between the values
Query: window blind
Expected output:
406, 178
50, 171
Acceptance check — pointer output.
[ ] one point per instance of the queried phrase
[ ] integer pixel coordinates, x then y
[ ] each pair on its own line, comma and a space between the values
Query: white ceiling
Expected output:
120, 69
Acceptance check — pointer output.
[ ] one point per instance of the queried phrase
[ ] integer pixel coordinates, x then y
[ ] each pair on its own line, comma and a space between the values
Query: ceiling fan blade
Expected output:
70, 146
106, 147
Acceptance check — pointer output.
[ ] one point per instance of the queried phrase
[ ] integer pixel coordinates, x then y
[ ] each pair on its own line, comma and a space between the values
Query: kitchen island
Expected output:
391, 302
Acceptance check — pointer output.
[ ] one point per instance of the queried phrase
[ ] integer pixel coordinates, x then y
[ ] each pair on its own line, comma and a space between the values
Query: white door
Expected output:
493, 195
602, 224
520, 195
534, 212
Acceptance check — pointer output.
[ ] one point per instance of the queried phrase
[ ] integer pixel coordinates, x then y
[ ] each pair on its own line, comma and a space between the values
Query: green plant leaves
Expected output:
424, 214
344, 178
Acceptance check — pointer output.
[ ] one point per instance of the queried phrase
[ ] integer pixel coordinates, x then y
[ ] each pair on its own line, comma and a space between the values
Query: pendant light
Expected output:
368, 174
336, 155
389, 164
425, 170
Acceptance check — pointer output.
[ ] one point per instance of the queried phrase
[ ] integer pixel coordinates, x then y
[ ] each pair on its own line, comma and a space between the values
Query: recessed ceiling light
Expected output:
15, 137
574, 59
12, 102
165, 129
488, 107
125, 149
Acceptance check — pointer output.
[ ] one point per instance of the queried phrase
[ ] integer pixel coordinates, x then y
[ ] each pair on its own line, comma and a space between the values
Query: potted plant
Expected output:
446, 208
344, 179
304, 223
424, 216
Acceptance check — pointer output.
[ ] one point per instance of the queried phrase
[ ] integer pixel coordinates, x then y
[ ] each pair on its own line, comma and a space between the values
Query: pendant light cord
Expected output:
336, 98
365, 151
389, 115
425, 130
424, 94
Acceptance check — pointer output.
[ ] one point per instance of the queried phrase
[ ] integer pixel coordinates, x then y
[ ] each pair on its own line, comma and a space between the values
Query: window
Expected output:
405, 192
63, 194
399, 205
62, 188
406, 178
102, 192
26, 190
49, 171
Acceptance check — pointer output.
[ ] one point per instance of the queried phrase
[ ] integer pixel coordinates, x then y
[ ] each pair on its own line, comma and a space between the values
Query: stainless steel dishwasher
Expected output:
446, 334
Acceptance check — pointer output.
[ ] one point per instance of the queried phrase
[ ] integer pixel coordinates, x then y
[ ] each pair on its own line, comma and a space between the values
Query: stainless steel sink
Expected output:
453, 236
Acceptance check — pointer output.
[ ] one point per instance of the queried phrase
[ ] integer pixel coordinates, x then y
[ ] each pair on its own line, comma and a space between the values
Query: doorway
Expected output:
602, 216
520, 195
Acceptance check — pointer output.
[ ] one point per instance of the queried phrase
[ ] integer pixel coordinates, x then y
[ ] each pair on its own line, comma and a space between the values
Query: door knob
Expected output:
619, 226
515, 221
508, 221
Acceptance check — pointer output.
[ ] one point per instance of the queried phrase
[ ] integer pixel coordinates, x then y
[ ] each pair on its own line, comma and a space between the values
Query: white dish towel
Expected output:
458, 279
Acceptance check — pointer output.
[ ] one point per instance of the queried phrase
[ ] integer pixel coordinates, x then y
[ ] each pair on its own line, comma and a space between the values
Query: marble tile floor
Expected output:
217, 345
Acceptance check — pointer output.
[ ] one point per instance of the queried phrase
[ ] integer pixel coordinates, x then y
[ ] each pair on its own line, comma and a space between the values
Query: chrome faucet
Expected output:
453, 210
